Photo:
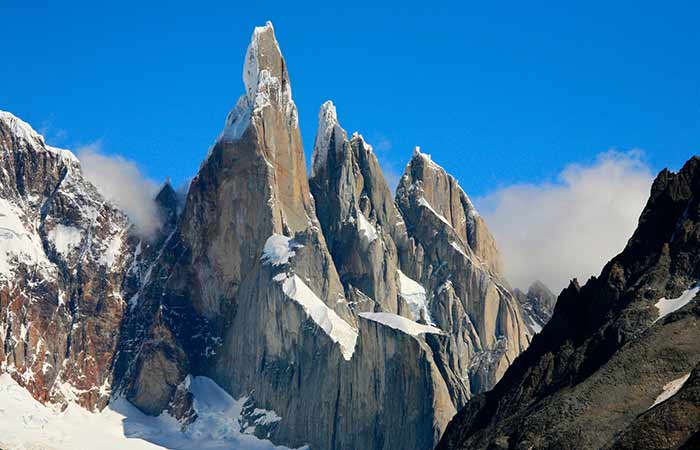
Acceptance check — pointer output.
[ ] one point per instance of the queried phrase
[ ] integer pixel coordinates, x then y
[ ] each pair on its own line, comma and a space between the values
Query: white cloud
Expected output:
569, 229
121, 181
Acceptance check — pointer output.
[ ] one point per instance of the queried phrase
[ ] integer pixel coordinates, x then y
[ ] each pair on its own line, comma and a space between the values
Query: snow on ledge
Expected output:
278, 250
423, 202
400, 323
670, 389
334, 326
667, 306
365, 228
414, 294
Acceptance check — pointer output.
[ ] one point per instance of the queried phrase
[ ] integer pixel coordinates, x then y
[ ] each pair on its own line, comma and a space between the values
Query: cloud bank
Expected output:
120, 181
569, 229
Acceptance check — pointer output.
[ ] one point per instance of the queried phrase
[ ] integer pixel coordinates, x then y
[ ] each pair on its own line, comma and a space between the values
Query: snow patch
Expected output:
423, 202
457, 247
534, 326
400, 323
415, 296
278, 250
670, 389
112, 252
17, 243
365, 228
65, 238
335, 327
667, 306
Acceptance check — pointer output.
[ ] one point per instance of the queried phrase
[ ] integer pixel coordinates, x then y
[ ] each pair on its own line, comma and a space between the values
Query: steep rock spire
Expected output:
456, 257
357, 215
440, 192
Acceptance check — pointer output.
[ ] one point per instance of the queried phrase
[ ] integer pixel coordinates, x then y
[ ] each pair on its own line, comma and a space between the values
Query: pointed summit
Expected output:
428, 185
357, 215
168, 204
329, 131
263, 60
266, 85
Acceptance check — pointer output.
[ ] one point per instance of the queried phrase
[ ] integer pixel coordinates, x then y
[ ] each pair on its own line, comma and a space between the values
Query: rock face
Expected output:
245, 290
361, 320
455, 257
358, 217
62, 272
616, 366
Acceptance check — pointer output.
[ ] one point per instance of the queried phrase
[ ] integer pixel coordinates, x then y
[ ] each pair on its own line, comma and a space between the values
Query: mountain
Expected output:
455, 257
320, 311
537, 305
63, 272
617, 365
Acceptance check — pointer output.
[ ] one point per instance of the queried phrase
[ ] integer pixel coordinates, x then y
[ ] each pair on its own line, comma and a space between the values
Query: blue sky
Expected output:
498, 92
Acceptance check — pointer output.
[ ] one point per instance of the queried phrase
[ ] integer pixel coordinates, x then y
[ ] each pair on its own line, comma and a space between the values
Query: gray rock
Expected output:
357, 215
537, 305
455, 257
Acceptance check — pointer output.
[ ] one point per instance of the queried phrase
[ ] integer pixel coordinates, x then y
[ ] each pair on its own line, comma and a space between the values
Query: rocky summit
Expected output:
336, 314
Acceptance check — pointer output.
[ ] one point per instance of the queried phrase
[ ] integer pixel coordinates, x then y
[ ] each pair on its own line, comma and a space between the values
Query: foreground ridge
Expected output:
617, 365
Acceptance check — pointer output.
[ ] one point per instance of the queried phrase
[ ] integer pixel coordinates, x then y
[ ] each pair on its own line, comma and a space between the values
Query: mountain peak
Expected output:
266, 85
263, 60
327, 127
21, 130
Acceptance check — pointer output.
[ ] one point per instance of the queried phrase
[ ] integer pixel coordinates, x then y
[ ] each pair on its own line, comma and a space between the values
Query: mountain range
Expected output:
275, 307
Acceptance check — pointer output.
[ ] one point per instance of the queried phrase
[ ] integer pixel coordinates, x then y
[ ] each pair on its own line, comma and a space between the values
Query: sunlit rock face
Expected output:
334, 313
64, 263
455, 257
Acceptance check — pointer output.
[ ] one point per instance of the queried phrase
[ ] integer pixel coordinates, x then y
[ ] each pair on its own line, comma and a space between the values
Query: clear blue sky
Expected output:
497, 92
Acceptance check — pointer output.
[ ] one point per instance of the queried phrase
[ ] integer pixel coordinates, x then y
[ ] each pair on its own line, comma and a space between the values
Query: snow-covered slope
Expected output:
26, 424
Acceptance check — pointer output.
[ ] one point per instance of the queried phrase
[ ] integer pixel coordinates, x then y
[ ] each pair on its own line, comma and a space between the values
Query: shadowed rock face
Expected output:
591, 378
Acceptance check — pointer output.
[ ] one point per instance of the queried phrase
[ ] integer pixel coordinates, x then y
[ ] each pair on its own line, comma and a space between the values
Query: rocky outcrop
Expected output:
618, 352
62, 268
455, 258
358, 217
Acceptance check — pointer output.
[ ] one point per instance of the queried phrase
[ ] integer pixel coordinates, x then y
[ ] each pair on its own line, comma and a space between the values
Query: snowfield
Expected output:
670, 389
667, 306
400, 323
26, 424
